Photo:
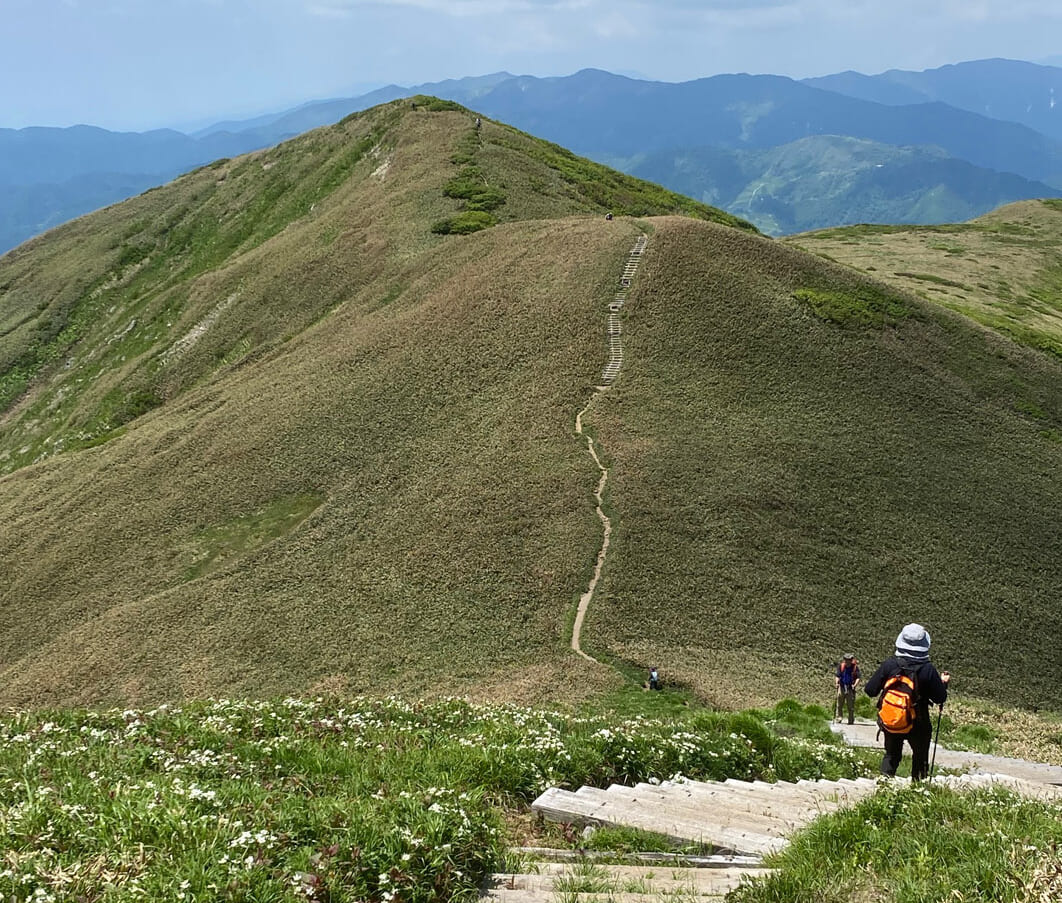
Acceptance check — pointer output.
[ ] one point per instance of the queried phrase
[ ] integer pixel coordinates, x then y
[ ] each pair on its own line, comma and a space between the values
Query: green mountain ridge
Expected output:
50, 175
267, 430
831, 180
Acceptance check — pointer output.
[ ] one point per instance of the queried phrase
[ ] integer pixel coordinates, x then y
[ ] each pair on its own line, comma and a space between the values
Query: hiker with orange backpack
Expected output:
846, 679
905, 685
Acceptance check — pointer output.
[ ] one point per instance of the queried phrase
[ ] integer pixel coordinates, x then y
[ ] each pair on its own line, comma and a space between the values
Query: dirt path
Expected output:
584, 599
611, 371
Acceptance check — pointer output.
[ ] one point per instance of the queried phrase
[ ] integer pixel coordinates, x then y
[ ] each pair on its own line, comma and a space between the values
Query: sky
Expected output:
139, 64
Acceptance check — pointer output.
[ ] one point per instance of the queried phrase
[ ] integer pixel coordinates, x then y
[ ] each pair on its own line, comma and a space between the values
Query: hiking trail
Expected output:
612, 368
738, 821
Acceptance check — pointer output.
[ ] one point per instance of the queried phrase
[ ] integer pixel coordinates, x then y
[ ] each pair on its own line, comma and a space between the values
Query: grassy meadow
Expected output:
383, 800
1000, 269
803, 461
263, 423
921, 844
324, 799
276, 429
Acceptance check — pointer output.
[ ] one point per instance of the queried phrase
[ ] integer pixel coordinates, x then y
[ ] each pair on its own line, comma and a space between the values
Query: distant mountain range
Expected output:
1001, 89
921, 147
813, 183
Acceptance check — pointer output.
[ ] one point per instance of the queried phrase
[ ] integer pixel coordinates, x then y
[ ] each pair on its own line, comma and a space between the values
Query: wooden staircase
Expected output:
743, 817
738, 821
614, 328
740, 817
587, 882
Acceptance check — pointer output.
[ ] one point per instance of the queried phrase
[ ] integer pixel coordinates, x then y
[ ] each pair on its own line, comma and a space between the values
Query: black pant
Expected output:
920, 737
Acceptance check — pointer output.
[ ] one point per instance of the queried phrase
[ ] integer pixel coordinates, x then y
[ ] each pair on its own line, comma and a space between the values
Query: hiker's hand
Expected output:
945, 676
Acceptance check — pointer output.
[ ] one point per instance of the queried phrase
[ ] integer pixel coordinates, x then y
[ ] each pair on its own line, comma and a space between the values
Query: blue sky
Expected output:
136, 64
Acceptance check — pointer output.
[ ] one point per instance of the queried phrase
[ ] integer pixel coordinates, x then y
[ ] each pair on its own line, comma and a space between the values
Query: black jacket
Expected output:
927, 682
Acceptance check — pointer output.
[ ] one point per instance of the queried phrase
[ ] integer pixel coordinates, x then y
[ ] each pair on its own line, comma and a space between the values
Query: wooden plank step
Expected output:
762, 804
562, 806
593, 805
720, 809
802, 788
809, 793
630, 878
787, 810
1031, 789
520, 895
684, 860
591, 881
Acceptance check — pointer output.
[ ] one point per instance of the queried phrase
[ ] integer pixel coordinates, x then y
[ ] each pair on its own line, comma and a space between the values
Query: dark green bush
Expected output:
464, 223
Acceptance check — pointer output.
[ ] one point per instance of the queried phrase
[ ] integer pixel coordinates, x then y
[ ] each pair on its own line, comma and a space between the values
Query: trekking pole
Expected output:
936, 737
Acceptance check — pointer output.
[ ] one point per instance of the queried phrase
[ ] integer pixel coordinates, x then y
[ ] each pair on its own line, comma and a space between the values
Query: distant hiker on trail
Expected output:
846, 679
608, 216
907, 683
654, 679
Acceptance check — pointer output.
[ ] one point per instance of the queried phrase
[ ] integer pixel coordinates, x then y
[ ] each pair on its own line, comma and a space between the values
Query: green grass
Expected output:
286, 326
627, 840
464, 223
218, 546
924, 844
608, 190
831, 490
1005, 270
327, 800
931, 277
867, 306
344, 799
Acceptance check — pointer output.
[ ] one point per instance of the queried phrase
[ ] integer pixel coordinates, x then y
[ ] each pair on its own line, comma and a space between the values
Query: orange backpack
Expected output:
896, 704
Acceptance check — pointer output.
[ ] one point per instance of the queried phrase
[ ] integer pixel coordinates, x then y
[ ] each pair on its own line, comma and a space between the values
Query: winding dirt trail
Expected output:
611, 371
584, 599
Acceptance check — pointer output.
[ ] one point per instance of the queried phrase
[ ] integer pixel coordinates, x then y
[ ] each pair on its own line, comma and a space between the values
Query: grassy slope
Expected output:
368, 446
362, 475
786, 486
1001, 269
125, 309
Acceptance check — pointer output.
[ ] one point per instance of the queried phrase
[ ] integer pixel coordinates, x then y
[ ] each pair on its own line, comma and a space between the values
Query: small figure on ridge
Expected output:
846, 679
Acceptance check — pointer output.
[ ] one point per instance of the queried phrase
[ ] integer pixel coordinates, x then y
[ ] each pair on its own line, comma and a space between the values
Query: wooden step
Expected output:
588, 807
659, 860
592, 882
785, 804
733, 812
761, 803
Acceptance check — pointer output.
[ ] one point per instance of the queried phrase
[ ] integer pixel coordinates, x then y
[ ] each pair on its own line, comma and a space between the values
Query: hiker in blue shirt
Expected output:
846, 679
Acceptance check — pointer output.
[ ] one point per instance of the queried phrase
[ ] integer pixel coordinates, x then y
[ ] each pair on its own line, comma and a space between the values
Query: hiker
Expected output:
608, 216
846, 679
654, 679
907, 683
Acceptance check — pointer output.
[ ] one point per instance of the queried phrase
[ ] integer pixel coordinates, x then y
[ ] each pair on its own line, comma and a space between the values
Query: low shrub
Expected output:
464, 223
869, 306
